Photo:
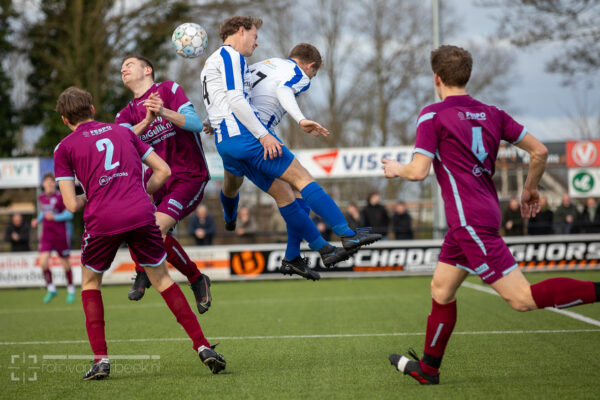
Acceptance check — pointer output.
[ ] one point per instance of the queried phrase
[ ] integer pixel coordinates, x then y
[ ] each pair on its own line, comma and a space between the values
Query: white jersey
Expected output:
225, 70
267, 76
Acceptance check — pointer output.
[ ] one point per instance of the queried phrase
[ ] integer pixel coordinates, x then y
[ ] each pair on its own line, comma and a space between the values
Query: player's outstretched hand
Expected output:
391, 168
314, 128
530, 203
207, 128
272, 146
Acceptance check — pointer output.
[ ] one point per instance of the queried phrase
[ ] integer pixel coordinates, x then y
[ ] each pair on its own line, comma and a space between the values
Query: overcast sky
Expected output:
538, 100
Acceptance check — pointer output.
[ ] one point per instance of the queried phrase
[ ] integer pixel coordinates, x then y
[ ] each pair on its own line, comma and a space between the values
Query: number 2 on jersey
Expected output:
477, 145
106, 144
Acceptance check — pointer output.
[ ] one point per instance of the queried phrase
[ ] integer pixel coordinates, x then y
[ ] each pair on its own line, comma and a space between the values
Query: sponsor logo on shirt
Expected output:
469, 115
158, 128
176, 203
478, 170
100, 131
105, 179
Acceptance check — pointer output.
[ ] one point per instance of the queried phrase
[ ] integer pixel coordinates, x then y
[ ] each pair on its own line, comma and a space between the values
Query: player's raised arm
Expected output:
185, 117
416, 170
538, 153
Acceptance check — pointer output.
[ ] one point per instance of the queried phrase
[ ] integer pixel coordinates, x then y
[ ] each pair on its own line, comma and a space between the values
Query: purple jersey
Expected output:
463, 135
107, 160
181, 149
52, 203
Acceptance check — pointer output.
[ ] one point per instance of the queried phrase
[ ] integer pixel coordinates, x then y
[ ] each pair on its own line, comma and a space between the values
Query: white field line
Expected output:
570, 314
316, 336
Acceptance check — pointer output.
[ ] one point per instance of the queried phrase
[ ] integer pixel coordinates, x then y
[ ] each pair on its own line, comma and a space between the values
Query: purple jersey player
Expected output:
107, 161
461, 137
162, 116
53, 216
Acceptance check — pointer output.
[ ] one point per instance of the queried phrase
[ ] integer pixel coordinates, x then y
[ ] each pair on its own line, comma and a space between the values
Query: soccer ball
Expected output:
189, 40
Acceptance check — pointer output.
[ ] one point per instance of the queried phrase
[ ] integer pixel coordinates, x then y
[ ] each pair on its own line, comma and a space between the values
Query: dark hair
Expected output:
145, 62
231, 25
75, 105
306, 53
452, 64
48, 175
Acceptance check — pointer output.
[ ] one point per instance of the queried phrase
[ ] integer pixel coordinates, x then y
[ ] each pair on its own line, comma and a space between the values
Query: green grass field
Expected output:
296, 339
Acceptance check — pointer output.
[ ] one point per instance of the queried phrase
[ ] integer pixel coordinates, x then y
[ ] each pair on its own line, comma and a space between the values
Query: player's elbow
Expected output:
540, 152
71, 205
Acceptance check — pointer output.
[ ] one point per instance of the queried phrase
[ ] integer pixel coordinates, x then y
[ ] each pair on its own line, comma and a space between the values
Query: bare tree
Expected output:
574, 24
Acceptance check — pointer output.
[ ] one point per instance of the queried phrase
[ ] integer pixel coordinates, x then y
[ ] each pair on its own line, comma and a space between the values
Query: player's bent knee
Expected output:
441, 293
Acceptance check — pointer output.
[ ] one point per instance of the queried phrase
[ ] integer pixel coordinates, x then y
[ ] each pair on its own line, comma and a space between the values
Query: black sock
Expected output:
597, 288
432, 361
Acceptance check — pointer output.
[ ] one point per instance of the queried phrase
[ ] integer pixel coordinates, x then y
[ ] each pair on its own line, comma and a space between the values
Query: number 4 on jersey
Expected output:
477, 144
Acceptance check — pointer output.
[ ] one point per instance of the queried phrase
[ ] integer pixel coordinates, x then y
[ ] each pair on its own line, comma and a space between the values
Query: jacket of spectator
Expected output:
565, 216
202, 226
402, 223
589, 219
542, 223
375, 215
512, 221
17, 233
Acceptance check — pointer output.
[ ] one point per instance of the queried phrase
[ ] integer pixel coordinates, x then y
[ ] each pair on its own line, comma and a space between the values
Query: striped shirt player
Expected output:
269, 97
226, 83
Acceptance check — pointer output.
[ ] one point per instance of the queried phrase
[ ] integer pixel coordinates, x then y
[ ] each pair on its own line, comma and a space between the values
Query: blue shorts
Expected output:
479, 250
243, 156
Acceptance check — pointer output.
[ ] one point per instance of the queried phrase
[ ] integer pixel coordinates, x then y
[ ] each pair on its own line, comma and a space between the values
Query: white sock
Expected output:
71, 289
51, 287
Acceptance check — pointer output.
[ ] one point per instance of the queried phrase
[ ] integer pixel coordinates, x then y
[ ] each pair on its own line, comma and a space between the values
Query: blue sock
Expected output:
292, 249
300, 225
230, 206
303, 205
322, 204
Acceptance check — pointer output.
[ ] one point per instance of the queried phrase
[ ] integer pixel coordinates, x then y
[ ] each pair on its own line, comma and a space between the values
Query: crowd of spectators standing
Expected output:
392, 220
565, 219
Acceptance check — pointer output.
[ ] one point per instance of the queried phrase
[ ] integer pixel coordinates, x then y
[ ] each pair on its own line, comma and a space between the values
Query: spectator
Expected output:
17, 233
565, 216
246, 226
323, 227
402, 222
375, 215
202, 226
589, 220
511, 218
278, 227
541, 224
353, 216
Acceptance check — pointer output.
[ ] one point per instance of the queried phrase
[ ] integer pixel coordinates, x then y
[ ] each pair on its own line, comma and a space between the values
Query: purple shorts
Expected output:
60, 243
145, 242
179, 197
480, 251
